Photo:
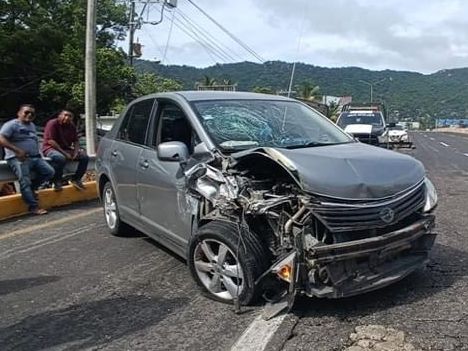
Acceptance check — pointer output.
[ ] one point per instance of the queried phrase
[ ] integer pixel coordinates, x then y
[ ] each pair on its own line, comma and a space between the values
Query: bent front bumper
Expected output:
359, 266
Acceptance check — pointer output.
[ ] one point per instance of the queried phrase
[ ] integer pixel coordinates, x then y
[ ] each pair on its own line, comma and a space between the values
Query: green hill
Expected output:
407, 94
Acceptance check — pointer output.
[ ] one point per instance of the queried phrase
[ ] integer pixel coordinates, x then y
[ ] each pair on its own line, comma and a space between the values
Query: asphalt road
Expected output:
430, 306
66, 284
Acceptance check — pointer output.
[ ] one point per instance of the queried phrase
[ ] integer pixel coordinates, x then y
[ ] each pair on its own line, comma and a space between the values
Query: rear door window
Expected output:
135, 124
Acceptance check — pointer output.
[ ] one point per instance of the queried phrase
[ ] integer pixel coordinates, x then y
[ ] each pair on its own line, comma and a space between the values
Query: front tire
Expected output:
225, 263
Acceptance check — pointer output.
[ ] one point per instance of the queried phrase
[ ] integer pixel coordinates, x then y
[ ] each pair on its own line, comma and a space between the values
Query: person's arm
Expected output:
20, 153
76, 145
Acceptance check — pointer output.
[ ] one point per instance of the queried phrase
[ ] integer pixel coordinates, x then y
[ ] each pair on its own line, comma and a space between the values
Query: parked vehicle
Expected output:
364, 123
397, 136
262, 195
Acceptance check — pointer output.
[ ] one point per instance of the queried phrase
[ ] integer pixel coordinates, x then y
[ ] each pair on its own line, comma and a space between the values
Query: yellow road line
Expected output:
51, 223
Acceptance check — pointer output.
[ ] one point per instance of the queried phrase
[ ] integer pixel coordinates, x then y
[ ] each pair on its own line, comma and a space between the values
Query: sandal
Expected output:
38, 211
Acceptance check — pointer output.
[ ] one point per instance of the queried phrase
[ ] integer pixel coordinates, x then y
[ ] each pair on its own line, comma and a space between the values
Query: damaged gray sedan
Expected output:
264, 196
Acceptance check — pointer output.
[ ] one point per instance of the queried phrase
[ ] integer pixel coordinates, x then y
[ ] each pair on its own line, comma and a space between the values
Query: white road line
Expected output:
258, 334
443, 144
55, 240
432, 138
54, 223
45, 240
466, 155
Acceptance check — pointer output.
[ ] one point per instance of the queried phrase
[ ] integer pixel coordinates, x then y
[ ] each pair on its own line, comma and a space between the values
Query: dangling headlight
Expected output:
431, 196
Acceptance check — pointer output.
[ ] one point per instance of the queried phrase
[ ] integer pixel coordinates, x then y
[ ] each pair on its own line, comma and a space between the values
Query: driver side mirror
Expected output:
174, 151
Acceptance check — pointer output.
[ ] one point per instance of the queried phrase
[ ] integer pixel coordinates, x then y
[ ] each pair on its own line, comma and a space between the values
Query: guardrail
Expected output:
6, 175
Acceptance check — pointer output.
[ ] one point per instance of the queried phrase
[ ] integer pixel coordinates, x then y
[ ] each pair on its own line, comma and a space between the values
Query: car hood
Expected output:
397, 132
358, 128
348, 171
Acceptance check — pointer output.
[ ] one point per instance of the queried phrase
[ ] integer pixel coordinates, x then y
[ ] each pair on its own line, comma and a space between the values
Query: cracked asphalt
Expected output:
72, 286
430, 306
66, 284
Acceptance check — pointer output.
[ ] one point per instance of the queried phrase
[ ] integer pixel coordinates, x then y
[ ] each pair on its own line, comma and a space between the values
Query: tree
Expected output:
307, 90
263, 90
208, 81
149, 83
333, 110
42, 52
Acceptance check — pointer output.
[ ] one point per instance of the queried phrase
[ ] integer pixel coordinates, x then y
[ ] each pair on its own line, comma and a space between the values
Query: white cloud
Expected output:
415, 35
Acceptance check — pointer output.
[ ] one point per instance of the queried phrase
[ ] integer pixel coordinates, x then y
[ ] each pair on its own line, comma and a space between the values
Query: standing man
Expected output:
61, 144
19, 138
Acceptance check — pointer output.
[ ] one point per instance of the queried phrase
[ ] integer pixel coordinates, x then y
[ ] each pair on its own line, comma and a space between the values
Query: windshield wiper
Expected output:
309, 144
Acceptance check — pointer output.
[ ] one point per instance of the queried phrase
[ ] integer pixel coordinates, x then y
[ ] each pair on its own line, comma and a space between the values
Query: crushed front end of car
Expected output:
320, 244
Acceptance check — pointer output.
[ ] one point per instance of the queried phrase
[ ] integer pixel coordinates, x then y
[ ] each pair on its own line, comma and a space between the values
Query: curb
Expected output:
13, 205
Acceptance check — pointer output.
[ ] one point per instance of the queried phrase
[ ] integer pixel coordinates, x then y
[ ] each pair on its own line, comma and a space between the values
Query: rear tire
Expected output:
111, 212
226, 264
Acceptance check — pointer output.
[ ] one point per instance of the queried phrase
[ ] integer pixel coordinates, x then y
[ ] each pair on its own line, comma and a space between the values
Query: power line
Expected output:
154, 41
225, 49
168, 37
232, 36
187, 29
218, 52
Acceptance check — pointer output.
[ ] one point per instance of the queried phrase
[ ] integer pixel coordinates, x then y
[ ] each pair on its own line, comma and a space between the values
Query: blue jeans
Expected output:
59, 161
22, 171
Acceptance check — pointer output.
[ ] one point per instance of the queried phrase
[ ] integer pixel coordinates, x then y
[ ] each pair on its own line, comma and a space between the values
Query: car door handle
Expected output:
144, 164
114, 153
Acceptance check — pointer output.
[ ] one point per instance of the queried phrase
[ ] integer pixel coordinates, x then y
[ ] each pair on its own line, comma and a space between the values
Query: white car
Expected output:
397, 135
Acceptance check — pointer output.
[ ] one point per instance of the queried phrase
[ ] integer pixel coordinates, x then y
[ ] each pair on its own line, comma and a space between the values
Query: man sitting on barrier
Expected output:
61, 144
19, 138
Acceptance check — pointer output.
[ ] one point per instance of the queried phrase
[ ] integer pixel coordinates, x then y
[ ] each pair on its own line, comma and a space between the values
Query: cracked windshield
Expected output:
237, 125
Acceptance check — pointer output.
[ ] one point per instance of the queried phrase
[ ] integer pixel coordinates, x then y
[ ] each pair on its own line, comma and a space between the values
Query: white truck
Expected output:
365, 124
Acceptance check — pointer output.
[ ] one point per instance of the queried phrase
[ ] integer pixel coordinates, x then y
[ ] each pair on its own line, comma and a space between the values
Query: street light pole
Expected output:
371, 85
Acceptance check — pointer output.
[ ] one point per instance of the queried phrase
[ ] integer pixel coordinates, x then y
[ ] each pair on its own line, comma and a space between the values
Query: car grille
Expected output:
349, 216
367, 138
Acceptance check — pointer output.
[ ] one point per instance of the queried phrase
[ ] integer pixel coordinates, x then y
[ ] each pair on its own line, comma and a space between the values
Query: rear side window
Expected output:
135, 123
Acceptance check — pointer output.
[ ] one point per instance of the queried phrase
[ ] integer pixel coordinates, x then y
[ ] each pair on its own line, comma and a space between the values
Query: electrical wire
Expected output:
154, 41
206, 48
224, 48
232, 36
212, 52
168, 38
220, 54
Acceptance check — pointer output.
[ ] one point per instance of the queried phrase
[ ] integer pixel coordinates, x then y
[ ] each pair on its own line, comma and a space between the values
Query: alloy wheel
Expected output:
110, 208
218, 269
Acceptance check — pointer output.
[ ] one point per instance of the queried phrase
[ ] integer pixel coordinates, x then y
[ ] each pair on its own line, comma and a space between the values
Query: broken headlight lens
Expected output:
284, 269
431, 196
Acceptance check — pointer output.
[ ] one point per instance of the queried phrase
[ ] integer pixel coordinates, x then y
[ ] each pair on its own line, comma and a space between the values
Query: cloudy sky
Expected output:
413, 35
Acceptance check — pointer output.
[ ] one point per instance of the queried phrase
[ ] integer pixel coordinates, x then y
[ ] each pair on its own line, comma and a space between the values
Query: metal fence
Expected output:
6, 175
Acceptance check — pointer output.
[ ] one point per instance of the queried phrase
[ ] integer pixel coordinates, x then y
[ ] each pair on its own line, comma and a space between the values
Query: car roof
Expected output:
220, 95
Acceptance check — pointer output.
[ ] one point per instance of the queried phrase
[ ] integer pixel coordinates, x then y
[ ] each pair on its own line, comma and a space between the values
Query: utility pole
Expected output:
135, 24
90, 78
132, 32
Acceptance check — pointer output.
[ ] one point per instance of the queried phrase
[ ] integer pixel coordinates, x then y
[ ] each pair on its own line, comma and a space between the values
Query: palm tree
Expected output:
308, 91
333, 110
208, 81
262, 90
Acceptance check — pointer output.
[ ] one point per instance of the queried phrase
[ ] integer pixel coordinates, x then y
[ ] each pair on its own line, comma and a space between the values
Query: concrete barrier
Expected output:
13, 205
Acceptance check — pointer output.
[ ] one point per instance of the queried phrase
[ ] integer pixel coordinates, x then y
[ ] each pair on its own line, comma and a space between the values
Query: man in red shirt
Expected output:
61, 144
